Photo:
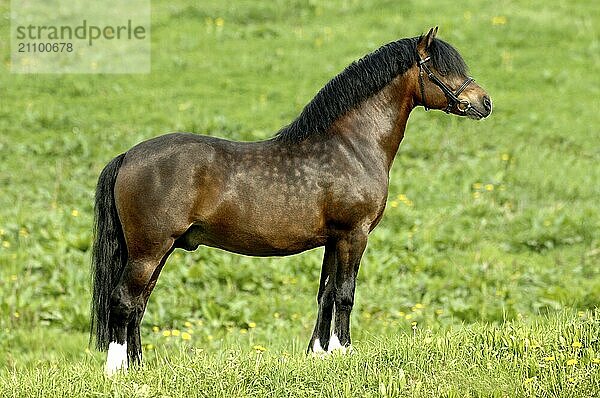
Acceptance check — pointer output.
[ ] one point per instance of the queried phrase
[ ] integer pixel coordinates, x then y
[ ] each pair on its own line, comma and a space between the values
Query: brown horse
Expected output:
321, 181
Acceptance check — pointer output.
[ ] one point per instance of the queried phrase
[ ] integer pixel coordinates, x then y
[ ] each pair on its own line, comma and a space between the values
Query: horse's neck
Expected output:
379, 122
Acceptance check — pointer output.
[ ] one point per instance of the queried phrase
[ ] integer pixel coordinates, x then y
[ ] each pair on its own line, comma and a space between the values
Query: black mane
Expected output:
363, 79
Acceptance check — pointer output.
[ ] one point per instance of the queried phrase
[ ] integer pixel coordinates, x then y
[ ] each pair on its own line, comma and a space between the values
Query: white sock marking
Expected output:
317, 347
116, 358
335, 345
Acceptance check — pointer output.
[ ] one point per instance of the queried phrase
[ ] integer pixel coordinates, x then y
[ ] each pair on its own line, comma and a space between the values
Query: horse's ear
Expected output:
425, 41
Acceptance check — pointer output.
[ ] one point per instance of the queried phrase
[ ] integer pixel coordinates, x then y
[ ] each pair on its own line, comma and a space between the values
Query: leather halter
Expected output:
452, 96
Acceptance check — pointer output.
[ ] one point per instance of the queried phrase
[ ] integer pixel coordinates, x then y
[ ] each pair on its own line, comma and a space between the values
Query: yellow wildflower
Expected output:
187, 324
75, 213
186, 336
155, 329
571, 362
175, 332
596, 360
576, 344
549, 359
489, 187
505, 157
499, 20
166, 333
219, 21
477, 185
251, 325
259, 348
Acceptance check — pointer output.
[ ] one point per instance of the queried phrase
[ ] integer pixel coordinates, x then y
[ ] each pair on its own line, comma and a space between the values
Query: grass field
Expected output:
483, 278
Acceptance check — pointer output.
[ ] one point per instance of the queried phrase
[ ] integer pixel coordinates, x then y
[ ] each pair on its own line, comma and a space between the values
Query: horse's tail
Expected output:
109, 253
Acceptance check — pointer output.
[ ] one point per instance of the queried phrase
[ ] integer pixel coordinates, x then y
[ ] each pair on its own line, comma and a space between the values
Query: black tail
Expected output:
109, 254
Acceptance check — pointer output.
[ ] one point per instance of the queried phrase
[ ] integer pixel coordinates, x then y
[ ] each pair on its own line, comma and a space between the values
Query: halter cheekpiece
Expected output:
452, 96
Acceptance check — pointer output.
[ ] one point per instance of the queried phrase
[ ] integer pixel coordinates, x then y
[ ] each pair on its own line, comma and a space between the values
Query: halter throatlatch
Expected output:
452, 96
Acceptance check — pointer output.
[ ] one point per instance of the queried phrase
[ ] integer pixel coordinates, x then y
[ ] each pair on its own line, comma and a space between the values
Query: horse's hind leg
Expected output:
134, 341
127, 307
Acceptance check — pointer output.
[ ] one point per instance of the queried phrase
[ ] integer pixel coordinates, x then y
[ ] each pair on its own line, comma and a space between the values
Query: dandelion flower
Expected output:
259, 348
596, 360
75, 213
175, 332
166, 333
505, 157
219, 21
571, 362
155, 329
251, 325
186, 336
576, 344
549, 359
499, 20
489, 187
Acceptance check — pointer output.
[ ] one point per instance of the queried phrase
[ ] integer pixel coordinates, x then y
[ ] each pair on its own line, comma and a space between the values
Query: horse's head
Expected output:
443, 81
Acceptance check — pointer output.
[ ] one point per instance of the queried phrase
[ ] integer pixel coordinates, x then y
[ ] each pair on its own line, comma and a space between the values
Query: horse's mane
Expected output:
363, 79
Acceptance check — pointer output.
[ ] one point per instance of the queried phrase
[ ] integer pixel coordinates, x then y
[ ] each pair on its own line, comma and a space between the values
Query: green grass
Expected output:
547, 357
489, 242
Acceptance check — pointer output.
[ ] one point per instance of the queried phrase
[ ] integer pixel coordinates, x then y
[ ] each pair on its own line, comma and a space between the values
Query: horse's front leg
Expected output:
349, 251
320, 337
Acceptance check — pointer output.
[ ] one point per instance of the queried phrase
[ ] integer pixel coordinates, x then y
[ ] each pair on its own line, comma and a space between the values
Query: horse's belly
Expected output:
264, 241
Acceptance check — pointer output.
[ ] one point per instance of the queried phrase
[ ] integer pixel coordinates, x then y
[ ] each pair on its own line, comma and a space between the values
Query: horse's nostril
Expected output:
487, 103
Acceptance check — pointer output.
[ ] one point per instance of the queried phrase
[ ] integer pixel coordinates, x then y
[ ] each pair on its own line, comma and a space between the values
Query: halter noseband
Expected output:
452, 96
